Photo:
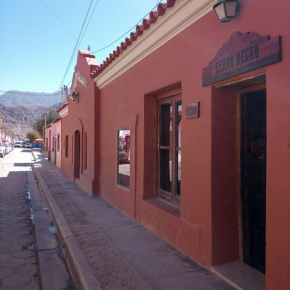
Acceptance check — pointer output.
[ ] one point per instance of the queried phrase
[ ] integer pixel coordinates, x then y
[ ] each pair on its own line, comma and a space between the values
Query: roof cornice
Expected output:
64, 111
175, 20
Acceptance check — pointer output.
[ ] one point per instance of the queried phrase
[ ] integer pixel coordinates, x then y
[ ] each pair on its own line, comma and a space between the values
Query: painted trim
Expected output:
176, 19
241, 80
63, 112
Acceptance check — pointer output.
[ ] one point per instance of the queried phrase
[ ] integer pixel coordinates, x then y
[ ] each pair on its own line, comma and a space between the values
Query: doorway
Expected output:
77, 154
253, 178
54, 150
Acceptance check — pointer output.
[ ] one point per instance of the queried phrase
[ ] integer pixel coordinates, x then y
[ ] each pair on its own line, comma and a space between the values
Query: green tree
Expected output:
32, 135
39, 123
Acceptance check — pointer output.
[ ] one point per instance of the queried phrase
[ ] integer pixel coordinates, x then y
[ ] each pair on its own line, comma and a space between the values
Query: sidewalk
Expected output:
108, 250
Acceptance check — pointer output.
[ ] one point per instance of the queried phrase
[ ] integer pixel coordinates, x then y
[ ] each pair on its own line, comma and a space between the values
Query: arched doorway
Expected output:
54, 150
77, 154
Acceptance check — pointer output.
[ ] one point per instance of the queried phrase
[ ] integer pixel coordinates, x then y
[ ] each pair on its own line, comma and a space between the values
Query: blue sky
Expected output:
36, 44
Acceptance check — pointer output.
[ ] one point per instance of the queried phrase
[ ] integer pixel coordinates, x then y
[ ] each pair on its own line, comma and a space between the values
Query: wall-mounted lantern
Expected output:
226, 9
75, 96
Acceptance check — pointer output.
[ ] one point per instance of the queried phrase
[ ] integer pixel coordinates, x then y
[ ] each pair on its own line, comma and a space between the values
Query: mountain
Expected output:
28, 99
19, 119
20, 110
56, 106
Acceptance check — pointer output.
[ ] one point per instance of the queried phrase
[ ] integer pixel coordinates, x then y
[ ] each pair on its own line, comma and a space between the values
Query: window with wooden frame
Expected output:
72, 148
85, 151
58, 142
53, 143
169, 148
66, 146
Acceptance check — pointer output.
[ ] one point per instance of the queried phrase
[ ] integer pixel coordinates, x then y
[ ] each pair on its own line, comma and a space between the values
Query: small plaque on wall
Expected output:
192, 110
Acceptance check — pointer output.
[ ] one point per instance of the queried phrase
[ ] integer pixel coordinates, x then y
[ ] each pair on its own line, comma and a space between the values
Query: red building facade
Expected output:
185, 128
79, 132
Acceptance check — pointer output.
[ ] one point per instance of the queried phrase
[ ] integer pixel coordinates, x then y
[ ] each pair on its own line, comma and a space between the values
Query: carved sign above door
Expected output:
243, 53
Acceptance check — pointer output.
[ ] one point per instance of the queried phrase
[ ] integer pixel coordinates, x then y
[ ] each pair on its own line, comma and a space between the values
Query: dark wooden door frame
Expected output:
55, 149
77, 154
239, 148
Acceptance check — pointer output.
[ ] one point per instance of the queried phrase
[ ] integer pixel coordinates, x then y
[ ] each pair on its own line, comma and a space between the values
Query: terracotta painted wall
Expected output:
49, 139
66, 162
58, 150
208, 183
81, 117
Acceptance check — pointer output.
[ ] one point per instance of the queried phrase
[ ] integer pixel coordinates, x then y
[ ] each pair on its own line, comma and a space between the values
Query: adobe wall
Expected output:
203, 230
67, 162
81, 117
58, 150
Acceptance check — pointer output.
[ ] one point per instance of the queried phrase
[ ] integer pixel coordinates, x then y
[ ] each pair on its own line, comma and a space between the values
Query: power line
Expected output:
85, 32
76, 45
54, 14
89, 21
159, 1
69, 82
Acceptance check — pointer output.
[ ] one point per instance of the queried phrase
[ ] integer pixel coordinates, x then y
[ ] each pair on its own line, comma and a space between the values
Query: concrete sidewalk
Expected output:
108, 250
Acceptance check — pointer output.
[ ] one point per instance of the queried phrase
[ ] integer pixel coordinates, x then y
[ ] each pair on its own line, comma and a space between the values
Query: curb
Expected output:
80, 269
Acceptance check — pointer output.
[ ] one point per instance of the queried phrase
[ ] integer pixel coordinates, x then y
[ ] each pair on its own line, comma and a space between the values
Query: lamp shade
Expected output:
226, 9
74, 96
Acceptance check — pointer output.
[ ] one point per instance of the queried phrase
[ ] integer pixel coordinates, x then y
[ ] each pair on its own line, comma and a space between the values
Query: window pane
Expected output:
66, 146
178, 189
179, 122
58, 142
123, 175
231, 8
165, 170
220, 11
178, 155
85, 150
165, 124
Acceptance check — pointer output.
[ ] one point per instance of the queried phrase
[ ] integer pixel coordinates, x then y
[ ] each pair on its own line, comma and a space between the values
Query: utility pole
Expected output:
4, 129
64, 94
44, 136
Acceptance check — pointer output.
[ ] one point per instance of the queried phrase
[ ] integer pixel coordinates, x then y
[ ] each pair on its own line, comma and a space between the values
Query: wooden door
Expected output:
253, 177
77, 155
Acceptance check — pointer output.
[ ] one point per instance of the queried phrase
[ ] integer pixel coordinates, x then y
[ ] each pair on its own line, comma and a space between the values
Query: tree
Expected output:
32, 135
39, 123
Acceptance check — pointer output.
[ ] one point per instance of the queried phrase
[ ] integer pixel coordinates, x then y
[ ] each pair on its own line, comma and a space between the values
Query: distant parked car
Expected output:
124, 157
28, 145
2, 150
18, 144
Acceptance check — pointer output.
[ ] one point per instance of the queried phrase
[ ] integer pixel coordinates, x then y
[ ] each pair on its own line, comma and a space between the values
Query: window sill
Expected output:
123, 187
165, 206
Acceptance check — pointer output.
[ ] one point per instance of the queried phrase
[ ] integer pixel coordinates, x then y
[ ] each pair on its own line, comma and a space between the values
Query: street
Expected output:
30, 254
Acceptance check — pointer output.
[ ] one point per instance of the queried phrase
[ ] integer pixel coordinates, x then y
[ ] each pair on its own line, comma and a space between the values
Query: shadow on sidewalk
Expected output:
119, 250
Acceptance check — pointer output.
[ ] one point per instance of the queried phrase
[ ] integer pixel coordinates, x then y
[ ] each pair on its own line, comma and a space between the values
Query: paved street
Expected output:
105, 248
111, 251
23, 260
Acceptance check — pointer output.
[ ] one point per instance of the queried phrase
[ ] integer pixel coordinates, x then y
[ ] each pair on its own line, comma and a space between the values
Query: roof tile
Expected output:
153, 16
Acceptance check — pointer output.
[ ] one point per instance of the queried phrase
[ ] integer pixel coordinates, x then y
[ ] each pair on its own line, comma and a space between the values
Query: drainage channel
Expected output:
54, 271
